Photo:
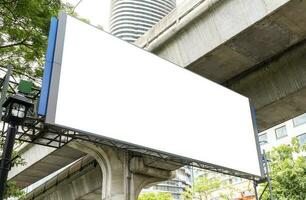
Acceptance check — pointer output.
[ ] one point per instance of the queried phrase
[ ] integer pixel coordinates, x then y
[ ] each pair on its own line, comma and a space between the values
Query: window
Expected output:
263, 139
299, 120
281, 132
302, 139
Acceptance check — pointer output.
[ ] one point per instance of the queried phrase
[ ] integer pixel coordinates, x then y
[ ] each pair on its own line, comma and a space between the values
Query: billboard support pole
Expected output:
267, 180
255, 189
267, 174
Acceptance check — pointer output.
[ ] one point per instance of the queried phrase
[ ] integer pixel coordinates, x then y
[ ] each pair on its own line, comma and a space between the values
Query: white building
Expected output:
130, 19
284, 132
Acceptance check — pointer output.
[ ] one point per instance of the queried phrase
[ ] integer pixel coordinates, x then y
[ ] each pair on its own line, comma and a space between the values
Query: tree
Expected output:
155, 196
13, 191
24, 27
202, 188
229, 192
288, 171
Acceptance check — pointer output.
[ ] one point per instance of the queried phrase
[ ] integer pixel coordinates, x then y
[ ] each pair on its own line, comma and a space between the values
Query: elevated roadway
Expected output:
41, 161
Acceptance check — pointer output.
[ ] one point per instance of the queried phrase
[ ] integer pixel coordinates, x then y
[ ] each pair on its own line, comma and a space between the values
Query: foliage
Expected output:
155, 196
202, 188
24, 26
188, 194
288, 171
13, 191
229, 194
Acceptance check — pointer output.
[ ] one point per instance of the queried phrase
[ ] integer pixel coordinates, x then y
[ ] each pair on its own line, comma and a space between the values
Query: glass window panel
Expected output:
263, 138
281, 132
302, 139
299, 120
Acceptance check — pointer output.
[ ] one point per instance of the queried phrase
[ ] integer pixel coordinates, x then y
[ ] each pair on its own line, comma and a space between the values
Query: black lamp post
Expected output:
16, 108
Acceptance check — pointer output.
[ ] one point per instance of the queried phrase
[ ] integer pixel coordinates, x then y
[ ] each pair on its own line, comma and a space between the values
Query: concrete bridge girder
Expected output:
277, 88
220, 39
85, 185
40, 162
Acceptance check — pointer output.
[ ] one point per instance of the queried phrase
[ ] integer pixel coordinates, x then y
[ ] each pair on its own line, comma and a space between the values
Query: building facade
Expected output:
284, 132
132, 18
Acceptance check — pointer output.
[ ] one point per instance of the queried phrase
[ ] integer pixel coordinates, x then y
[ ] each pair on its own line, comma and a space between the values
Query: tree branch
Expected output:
14, 44
6, 2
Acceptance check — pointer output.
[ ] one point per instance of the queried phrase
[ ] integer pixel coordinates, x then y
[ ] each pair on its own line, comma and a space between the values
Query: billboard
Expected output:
109, 88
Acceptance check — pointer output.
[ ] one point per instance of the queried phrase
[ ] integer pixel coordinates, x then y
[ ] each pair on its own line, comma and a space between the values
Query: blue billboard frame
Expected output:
43, 101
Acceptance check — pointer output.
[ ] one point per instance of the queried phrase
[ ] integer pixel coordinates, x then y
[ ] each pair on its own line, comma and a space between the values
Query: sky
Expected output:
97, 11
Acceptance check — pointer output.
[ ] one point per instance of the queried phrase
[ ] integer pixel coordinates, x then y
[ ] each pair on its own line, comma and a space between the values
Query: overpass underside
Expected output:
82, 180
254, 47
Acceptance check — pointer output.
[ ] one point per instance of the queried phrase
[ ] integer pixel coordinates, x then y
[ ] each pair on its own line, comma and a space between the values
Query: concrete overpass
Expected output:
82, 180
254, 47
40, 162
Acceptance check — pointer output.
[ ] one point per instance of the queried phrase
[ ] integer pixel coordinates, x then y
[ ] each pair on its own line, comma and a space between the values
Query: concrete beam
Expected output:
40, 162
84, 184
138, 166
267, 37
277, 87
220, 39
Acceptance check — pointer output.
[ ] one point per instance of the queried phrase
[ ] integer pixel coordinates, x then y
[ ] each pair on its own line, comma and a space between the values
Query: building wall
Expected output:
283, 133
132, 18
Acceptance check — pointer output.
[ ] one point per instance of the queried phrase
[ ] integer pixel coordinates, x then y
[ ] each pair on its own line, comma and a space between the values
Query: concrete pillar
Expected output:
123, 176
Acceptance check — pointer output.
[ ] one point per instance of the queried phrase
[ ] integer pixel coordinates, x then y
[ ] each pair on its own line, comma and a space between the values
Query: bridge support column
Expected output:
123, 176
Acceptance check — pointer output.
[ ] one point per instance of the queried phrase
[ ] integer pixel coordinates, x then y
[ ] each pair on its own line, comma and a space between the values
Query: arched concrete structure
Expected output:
106, 173
85, 185
123, 176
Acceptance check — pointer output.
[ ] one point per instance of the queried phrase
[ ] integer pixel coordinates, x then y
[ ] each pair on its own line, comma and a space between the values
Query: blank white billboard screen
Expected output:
113, 89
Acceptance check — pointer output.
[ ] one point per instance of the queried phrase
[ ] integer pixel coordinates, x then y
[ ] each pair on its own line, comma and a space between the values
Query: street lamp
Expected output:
16, 108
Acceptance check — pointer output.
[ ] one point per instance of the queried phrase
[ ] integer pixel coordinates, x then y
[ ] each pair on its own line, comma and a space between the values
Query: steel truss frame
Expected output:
37, 132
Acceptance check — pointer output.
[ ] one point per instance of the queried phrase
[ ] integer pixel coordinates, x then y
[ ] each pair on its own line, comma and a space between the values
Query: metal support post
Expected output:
6, 158
268, 174
255, 189
5, 88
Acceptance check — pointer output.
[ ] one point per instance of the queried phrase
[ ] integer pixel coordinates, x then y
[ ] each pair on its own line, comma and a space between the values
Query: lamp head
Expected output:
16, 108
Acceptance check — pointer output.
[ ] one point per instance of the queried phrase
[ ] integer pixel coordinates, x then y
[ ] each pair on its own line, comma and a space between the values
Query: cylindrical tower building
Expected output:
132, 18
